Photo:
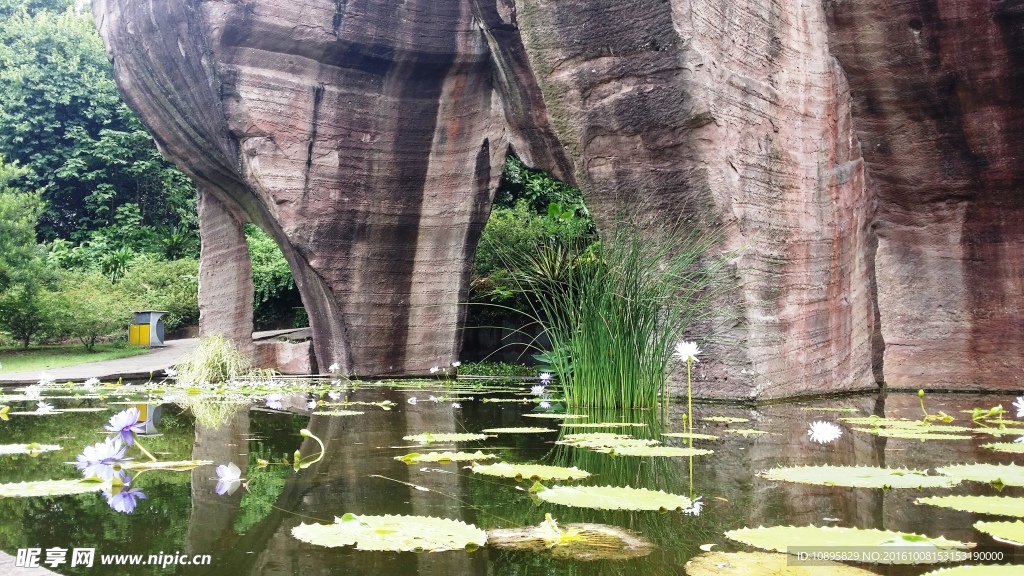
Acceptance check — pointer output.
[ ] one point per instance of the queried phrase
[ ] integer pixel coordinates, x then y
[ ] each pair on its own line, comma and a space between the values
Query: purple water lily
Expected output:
126, 424
100, 459
124, 500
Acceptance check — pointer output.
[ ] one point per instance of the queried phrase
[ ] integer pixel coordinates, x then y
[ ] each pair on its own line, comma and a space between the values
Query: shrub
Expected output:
161, 285
216, 360
91, 307
26, 312
614, 311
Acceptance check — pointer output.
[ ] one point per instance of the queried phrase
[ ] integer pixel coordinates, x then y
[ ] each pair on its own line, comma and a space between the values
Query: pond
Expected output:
249, 530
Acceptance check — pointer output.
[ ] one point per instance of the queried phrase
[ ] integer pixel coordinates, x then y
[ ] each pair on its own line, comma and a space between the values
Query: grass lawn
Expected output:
39, 358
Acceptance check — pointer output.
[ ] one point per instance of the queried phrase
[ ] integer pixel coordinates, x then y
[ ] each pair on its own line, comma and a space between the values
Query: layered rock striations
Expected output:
367, 137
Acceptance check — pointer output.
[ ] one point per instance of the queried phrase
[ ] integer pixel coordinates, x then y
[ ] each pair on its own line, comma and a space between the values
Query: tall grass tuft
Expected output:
216, 360
614, 311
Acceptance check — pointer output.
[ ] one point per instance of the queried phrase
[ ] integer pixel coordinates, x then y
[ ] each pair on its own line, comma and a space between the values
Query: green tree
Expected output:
91, 307
276, 296
62, 118
19, 211
26, 311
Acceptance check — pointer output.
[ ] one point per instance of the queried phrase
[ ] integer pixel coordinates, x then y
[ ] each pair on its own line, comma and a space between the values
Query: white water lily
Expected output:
695, 508
1019, 405
334, 395
333, 368
456, 364
311, 405
456, 405
545, 404
412, 400
44, 408
435, 369
824, 432
1019, 440
537, 390
687, 351
274, 401
434, 399
45, 378
170, 372
545, 377
33, 392
91, 384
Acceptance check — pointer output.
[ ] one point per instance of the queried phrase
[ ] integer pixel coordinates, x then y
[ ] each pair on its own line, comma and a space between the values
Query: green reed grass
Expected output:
615, 310
216, 360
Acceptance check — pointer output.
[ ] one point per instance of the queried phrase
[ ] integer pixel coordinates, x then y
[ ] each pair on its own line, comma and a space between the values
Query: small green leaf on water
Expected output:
48, 488
530, 471
995, 505
763, 564
337, 413
662, 451
912, 434
780, 538
1009, 447
602, 425
442, 457
724, 419
1008, 475
1006, 532
693, 435
428, 437
393, 533
179, 465
746, 432
612, 498
999, 431
554, 416
858, 477
521, 430
32, 448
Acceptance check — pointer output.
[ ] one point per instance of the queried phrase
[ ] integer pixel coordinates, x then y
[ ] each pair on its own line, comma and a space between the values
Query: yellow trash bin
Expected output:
147, 328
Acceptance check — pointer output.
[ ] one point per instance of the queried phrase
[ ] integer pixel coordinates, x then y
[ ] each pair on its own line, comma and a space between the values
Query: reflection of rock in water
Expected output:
214, 515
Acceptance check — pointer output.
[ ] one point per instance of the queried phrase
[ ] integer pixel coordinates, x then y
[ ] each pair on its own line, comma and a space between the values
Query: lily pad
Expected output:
1009, 475
995, 505
913, 434
393, 533
603, 441
27, 448
999, 431
48, 488
763, 564
746, 432
611, 497
428, 438
522, 430
554, 416
780, 538
1007, 532
602, 425
650, 451
1010, 447
442, 457
692, 435
530, 471
178, 465
858, 477
725, 419
572, 541
338, 413
979, 570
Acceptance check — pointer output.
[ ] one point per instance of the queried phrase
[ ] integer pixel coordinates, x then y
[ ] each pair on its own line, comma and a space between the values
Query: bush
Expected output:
276, 296
91, 307
26, 312
161, 285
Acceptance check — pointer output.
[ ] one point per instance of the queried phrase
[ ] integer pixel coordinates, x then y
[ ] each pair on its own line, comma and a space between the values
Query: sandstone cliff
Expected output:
862, 156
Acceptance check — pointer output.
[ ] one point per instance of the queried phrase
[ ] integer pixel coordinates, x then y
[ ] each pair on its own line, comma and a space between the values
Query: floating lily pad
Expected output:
442, 457
1009, 475
83, 410
572, 541
1006, 532
725, 419
602, 425
660, 451
746, 432
848, 410
979, 570
604, 441
554, 416
1010, 447
428, 438
858, 477
393, 533
530, 471
780, 538
522, 430
27, 448
763, 564
48, 488
996, 505
178, 465
611, 497
913, 434
338, 413
692, 435
999, 431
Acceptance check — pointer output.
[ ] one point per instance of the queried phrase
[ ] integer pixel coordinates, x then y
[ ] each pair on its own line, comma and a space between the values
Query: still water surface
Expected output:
248, 532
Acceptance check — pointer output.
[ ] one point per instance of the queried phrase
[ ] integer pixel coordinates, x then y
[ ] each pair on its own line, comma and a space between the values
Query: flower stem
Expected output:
689, 398
143, 448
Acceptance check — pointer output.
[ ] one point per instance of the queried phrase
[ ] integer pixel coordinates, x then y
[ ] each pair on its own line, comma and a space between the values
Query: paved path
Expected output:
132, 367
8, 565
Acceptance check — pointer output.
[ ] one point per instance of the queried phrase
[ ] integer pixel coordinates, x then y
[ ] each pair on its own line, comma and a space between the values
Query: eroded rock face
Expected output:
368, 136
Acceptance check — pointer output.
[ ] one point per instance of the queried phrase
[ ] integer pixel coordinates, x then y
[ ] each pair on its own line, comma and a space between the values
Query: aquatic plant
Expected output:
995, 505
859, 477
613, 311
393, 533
576, 541
229, 478
216, 360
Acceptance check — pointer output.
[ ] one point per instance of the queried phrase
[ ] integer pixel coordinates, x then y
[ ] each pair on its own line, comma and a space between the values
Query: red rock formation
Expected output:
367, 138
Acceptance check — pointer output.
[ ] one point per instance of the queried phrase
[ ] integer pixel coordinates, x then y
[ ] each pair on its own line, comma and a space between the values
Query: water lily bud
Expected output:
305, 433
920, 393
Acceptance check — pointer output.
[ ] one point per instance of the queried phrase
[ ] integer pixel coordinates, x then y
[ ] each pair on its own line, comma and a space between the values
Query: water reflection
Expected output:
248, 531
